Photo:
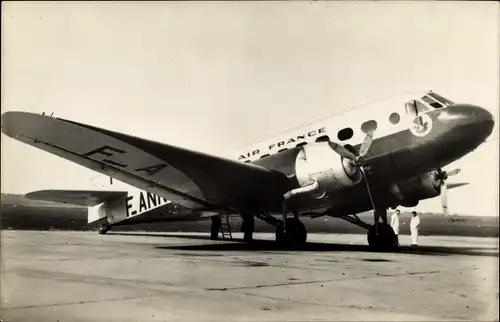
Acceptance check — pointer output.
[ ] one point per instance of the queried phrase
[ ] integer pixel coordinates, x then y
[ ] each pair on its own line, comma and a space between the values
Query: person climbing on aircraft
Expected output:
414, 227
395, 225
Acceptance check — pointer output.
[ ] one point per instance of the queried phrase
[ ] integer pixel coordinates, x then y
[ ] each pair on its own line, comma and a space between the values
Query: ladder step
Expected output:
225, 229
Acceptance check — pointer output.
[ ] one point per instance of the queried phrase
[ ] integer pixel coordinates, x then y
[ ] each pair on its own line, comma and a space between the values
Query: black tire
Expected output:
384, 240
103, 229
295, 235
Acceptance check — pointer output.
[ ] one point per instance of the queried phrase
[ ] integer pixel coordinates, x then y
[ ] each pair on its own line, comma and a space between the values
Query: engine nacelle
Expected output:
318, 162
410, 191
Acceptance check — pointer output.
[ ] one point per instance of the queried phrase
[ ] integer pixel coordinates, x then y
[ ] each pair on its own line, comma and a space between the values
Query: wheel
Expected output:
384, 240
103, 229
295, 235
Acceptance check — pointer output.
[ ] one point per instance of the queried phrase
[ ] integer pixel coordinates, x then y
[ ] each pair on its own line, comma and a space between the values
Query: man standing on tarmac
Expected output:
414, 227
395, 225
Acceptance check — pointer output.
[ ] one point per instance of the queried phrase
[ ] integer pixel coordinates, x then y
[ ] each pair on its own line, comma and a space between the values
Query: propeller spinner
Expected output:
357, 159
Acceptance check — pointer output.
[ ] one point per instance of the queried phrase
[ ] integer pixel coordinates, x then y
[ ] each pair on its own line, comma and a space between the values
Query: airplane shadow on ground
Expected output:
269, 245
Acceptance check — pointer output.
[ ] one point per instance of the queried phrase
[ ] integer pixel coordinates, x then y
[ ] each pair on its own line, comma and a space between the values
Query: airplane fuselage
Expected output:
403, 150
413, 136
401, 162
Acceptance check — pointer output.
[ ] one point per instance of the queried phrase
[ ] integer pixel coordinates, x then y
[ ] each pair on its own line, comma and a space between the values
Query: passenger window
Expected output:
301, 144
369, 126
264, 156
323, 138
248, 161
282, 150
394, 118
345, 134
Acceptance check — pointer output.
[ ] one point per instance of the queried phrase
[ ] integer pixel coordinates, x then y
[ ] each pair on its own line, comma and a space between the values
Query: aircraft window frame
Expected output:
323, 138
432, 102
348, 136
414, 108
440, 99
369, 126
394, 118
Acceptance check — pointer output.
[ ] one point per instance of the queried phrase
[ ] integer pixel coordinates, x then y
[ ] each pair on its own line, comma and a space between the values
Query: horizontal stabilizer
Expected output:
87, 198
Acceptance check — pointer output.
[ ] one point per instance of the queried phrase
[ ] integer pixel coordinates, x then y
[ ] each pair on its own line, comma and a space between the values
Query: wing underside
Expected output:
189, 178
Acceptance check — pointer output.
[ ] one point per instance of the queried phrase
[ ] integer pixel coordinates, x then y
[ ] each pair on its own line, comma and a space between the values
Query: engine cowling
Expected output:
409, 192
318, 162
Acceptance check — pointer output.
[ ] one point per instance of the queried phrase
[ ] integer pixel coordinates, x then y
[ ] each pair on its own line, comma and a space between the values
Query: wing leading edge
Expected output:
189, 178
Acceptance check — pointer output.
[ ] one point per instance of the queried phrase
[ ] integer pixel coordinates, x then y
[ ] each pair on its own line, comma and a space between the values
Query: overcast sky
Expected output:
215, 76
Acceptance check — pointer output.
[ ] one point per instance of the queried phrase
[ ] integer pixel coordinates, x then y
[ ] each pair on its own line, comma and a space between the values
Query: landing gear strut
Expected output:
247, 227
215, 227
291, 232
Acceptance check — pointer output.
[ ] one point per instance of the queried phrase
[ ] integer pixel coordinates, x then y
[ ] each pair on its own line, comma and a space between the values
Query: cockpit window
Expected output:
415, 108
441, 99
431, 102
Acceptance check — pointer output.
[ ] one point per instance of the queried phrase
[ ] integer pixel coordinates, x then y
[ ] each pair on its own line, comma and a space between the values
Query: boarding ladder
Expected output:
225, 228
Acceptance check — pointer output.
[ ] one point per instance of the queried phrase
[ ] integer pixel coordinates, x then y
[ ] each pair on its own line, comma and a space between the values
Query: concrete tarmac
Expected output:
83, 276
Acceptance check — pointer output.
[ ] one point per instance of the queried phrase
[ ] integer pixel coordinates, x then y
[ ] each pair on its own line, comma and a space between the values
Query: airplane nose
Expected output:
477, 119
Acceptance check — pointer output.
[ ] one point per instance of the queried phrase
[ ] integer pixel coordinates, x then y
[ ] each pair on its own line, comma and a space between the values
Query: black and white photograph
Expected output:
250, 161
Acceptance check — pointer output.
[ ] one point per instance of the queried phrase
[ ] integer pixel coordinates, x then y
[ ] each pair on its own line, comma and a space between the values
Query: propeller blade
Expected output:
342, 151
453, 172
365, 146
457, 184
444, 198
367, 186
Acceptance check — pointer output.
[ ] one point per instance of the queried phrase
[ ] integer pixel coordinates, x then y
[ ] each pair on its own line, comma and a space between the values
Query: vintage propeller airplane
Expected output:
383, 155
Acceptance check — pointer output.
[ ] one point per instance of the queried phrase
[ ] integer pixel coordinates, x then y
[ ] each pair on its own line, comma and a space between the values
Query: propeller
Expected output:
357, 159
441, 177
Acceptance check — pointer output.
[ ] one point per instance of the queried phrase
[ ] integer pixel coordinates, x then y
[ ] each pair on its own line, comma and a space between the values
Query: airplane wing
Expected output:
189, 178
76, 197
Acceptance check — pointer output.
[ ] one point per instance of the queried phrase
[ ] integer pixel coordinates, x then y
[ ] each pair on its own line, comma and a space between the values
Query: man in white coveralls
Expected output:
395, 225
414, 227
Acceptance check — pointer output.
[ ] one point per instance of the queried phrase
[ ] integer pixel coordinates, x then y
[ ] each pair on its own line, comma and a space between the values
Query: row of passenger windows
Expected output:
347, 133
412, 108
